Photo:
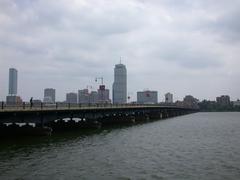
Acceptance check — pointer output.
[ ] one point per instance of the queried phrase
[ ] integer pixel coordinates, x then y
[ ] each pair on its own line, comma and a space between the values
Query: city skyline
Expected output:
103, 96
184, 48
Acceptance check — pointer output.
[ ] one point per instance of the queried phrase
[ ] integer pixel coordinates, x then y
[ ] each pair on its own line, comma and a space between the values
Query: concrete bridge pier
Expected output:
117, 118
155, 115
164, 114
106, 119
171, 113
129, 118
92, 121
140, 117
56, 125
176, 113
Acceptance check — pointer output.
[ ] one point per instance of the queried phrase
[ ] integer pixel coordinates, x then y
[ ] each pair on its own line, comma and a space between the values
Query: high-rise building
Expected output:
12, 91
93, 97
83, 96
119, 92
147, 97
71, 98
103, 94
168, 98
49, 95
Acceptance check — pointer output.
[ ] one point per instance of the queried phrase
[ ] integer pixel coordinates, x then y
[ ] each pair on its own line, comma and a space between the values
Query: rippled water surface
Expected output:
196, 146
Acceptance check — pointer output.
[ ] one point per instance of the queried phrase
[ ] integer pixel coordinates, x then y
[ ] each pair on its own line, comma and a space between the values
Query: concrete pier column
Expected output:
139, 117
165, 114
147, 118
41, 120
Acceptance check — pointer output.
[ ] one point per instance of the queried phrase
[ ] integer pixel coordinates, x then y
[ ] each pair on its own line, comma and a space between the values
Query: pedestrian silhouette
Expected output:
31, 102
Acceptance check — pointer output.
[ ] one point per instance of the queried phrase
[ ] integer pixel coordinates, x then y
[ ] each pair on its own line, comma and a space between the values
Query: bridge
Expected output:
62, 116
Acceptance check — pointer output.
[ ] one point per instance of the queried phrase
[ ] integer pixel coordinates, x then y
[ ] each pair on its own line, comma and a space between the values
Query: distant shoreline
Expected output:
219, 110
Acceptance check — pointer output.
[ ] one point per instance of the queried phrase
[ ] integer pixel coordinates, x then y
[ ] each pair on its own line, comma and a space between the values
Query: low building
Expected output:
13, 100
190, 102
71, 98
147, 97
36, 102
223, 100
236, 103
47, 99
179, 103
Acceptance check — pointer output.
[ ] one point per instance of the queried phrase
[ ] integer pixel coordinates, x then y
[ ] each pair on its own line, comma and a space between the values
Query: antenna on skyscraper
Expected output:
120, 59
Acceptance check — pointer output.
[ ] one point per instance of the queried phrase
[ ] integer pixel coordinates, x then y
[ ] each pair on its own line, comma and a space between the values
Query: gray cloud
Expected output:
227, 26
166, 45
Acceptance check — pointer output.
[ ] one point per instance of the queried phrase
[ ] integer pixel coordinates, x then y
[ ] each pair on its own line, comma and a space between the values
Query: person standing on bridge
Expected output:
31, 102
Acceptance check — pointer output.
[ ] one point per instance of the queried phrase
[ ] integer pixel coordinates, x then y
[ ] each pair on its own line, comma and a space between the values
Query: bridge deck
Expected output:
107, 112
96, 107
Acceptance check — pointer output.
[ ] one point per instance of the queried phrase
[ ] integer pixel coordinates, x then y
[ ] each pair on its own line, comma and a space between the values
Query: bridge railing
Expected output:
60, 105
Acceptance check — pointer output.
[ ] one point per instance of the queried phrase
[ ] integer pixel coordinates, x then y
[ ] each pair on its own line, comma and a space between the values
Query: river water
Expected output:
195, 146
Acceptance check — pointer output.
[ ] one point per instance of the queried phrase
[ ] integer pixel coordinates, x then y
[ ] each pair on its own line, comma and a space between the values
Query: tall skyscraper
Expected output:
49, 95
12, 90
119, 92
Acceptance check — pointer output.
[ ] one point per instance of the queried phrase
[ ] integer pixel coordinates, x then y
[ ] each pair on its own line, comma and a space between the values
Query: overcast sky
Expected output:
179, 46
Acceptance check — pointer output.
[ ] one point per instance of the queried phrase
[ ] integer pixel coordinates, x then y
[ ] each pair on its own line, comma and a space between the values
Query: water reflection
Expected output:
198, 146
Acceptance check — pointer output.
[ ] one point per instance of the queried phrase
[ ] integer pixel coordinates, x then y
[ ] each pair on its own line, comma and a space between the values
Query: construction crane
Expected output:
101, 88
99, 78
89, 87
